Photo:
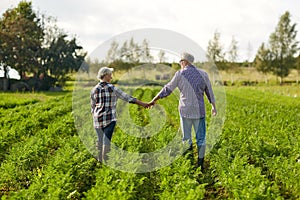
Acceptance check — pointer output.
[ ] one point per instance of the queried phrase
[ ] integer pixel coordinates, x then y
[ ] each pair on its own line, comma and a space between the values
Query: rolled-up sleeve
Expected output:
124, 96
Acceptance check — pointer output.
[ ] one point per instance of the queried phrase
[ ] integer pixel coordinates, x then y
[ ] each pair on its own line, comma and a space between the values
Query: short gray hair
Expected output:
188, 57
103, 71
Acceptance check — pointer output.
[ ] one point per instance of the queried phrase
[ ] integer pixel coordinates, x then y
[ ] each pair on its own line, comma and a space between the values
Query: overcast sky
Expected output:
94, 21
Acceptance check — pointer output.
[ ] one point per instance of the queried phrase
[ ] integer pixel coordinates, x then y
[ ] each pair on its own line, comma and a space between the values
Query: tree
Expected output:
262, 61
124, 52
215, 49
283, 47
145, 52
112, 53
129, 52
215, 52
62, 57
32, 47
134, 51
233, 50
21, 37
161, 56
297, 67
5, 53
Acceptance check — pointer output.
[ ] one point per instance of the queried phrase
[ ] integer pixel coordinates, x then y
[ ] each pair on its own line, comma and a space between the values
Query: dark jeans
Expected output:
105, 134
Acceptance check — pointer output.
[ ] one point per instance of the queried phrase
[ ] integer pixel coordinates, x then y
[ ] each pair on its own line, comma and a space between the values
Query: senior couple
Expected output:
192, 84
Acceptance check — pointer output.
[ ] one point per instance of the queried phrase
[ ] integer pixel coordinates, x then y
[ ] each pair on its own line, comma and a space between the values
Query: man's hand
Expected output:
214, 111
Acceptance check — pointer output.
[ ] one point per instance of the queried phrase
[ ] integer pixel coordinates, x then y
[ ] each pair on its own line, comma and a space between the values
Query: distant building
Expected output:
12, 73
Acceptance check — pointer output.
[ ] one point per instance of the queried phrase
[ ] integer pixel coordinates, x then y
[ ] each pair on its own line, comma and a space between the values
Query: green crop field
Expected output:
256, 157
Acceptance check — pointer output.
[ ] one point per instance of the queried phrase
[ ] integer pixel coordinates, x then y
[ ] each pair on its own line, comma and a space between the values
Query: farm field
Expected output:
257, 156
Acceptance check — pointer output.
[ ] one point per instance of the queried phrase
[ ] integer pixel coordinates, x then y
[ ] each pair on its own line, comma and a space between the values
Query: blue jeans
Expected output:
200, 130
105, 134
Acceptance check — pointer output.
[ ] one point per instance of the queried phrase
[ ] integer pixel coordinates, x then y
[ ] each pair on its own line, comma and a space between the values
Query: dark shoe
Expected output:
201, 163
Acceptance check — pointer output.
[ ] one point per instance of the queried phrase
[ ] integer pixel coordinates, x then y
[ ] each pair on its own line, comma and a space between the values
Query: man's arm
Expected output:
152, 102
167, 89
210, 95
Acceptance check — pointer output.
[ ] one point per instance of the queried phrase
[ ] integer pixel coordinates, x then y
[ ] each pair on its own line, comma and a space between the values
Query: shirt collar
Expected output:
189, 66
103, 83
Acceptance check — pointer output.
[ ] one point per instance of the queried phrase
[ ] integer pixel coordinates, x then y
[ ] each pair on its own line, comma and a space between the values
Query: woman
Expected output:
104, 98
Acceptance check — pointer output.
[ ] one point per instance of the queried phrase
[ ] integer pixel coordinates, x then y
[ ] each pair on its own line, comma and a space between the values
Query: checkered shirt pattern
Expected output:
104, 97
192, 84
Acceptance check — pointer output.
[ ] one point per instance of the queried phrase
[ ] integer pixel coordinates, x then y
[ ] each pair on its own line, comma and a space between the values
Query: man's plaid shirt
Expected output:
192, 84
104, 97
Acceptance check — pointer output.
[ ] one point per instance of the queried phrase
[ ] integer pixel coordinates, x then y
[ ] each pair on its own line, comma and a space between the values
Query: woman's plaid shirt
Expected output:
104, 97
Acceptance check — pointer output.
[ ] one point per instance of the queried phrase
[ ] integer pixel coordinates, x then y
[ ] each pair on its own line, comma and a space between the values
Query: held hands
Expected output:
153, 101
145, 105
151, 104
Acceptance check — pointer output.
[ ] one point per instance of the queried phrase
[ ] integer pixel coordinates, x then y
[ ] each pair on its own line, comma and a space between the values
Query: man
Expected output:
104, 98
192, 84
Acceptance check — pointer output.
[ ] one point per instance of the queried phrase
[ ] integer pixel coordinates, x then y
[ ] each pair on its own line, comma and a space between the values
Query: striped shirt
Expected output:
104, 98
192, 84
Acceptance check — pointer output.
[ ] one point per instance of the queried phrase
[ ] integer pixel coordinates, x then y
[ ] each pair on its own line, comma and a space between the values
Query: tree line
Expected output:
126, 55
32, 44
278, 56
133, 52
45, 55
